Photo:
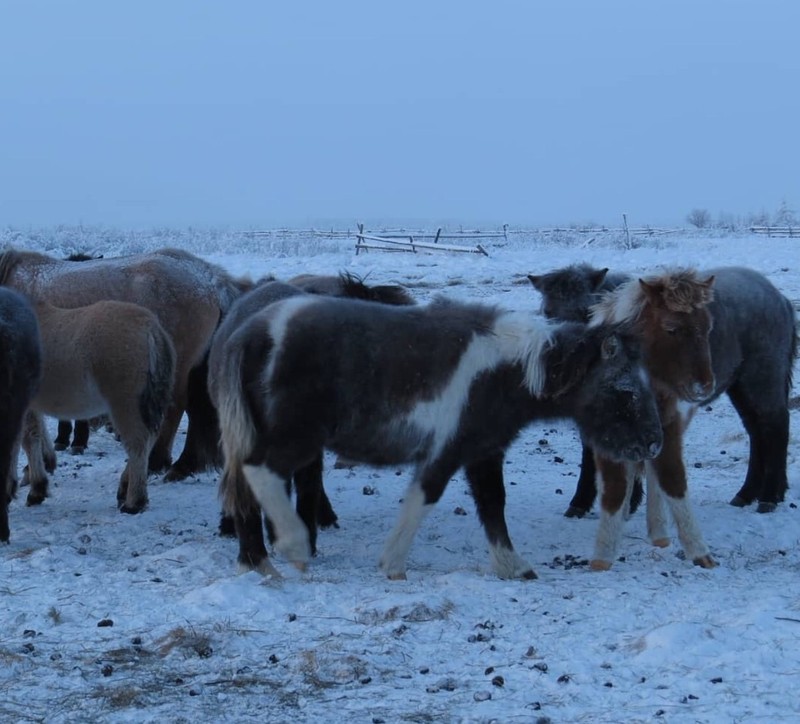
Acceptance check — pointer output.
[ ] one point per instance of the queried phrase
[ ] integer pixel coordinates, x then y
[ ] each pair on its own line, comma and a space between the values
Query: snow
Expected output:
653, 639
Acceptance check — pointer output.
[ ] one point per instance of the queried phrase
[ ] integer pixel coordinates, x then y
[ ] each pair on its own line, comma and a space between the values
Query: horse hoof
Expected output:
598, 565
35, 499
59, 446
77, 450
397, 576
301, 566
175, 475
705, 562
529, 575
739, 502
765, 507
132, 509
661, 542
575, 512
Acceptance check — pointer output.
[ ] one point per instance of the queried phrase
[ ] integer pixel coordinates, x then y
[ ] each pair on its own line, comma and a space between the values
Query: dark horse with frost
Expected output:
313, 505
753, 342
20, 375
442, 386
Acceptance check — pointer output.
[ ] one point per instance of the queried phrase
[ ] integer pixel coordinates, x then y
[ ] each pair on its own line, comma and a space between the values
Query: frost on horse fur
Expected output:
442, 386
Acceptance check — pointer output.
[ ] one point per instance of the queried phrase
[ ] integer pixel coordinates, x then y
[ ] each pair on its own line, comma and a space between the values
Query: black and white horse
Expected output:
442, 386
313, 505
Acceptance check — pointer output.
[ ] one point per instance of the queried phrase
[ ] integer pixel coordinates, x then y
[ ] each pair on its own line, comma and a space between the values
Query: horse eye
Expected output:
672, 331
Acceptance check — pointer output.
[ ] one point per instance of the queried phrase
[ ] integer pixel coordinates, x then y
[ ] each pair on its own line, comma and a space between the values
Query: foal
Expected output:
670, 314
109, 358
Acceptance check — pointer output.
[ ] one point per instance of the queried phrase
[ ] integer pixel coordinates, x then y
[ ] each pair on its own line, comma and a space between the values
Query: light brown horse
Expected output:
109, 358
670, 315
187, 294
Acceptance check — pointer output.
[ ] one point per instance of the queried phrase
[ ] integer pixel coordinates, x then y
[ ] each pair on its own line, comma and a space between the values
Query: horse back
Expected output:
754, 337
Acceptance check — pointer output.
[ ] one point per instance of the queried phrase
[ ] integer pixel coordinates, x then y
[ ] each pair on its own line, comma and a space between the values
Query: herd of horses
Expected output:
271, 374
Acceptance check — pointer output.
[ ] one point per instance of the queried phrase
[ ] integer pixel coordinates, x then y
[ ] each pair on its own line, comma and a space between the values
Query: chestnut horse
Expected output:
442, 386
670, 314
754, 345
187, 294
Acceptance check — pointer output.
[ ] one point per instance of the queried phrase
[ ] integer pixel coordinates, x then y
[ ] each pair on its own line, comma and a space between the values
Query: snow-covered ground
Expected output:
116, 618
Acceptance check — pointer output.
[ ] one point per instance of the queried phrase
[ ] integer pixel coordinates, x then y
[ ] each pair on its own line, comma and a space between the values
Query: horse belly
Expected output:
61, 399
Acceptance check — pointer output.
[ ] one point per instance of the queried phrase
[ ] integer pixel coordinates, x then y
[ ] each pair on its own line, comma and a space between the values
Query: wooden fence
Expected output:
416, 241
776, 230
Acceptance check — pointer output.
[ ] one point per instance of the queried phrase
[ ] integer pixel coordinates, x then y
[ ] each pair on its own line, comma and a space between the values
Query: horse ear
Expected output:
536, 280
610, 347
567, 364
708, 283
652, 290
597, 278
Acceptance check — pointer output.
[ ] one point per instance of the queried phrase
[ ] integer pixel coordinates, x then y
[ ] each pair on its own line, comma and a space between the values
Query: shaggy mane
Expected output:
679, 290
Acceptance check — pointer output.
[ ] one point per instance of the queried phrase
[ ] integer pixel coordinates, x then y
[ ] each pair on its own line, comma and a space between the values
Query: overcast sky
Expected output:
256, 113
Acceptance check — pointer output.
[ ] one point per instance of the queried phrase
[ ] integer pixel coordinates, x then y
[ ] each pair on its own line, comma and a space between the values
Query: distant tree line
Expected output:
783, 216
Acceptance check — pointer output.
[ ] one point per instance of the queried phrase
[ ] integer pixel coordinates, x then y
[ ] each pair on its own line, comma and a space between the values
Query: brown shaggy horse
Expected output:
670, 315
187, 294
109, 358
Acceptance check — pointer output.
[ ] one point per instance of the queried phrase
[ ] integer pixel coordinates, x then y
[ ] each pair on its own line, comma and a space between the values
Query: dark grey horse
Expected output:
20, 376
753, 348
442, 386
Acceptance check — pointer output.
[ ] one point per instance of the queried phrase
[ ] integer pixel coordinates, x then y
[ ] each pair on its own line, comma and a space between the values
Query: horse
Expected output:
187, 294
754, 344
443, 386
670, 314
80, 440
20, 375
108, 358
352, 286
567, 295
313, 505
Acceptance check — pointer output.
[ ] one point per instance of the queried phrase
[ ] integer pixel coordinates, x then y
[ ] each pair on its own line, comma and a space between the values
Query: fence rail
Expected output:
413, 243
776, 230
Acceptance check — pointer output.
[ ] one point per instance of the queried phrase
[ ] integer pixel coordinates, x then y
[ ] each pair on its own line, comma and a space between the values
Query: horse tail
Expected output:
236, 388
157, 391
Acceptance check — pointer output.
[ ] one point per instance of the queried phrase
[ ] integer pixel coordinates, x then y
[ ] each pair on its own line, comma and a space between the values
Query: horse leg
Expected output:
80, 441
161, 454
422, 494
201, 449
252, 552
137, 441
62, 438
485, 479
585, 491
769, 442
614, 483
269, 487
308, 484
48, 450
668, 471
33, 444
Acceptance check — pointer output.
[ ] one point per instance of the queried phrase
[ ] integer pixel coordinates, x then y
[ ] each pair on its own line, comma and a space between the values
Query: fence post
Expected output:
627, 233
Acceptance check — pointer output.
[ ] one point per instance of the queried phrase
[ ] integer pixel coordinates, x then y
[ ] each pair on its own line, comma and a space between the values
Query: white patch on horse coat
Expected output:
413, 512
515, 337
656, 513
507, 564
623, 304
609, 530
270, 491
285, 310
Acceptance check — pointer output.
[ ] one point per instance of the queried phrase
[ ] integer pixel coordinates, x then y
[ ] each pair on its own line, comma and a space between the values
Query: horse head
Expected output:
670, 314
